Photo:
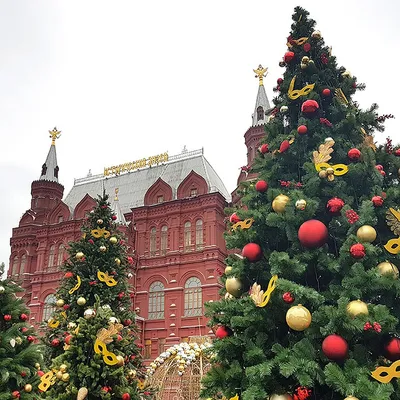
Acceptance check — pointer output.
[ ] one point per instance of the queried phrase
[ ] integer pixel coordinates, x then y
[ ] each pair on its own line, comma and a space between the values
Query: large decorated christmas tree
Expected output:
92, 336
20, 357
312, 306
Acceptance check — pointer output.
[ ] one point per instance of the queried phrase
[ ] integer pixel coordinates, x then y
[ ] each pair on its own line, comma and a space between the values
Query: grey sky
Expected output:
125, 80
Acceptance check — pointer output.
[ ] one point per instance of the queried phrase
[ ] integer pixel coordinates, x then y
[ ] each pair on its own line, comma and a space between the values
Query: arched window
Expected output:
153, 241
199, 234
14, 270
51, 256
49, 306
193, 297
164, 239
156, 300
187, 236
60, 256
23, 264
260, 113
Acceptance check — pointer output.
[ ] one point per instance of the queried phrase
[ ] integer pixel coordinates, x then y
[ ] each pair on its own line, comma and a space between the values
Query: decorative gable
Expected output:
159, 192
193, 185
59, 214
84, 206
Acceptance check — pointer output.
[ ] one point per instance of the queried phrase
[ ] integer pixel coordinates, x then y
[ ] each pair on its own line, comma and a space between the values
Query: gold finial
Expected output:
54, 134
261, 73
116, 194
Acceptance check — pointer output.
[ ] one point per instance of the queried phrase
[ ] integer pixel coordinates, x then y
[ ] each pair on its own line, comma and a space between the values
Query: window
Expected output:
160, 198
164, 239
60, 256
14, 270
156, 301
187, 236
51, 256
49, 307
260, 113
153, 241
193, 297
147, 349
193, 192
199, 234
60, 218
23, 264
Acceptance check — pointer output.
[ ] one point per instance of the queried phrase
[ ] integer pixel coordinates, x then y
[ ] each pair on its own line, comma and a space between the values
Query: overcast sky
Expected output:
129, 79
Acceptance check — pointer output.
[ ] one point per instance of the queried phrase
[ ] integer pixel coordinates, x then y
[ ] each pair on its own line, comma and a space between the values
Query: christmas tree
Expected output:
312, 306
91, 337
20, 358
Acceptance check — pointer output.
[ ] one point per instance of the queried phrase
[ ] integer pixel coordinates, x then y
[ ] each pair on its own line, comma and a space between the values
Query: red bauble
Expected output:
68, 339
313, 234
223, 332
289, 56
24, 329
302, 130
104, 389
309, 107
127, 322
55, 342
288, 297
307, 47
377, 201
335, 347
119, 338
30, 338
379, 167
326, 92
252, 251
284, 146
23, 317
334, 205
234, 218
261, 186
16, 394
354, 154
113, 217
66, 306
392, 349
7, 317
383, 173
397, 153
69, 274
279, 81
40, 373
126, 396
264, 148
357, 251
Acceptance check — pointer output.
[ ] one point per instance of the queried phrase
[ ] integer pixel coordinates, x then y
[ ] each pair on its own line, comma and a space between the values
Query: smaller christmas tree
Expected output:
20, 358
91, 338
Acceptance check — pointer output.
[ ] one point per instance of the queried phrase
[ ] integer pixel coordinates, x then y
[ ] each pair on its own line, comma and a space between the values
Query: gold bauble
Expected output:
99, 221
351, 398
285, 396
357, 307
113, 240
301, 204
71, 325
298, 318
316, 35
79, 255
233, 286
228, 270
181, 368
279, 203
366, 233
330, 171
81, 301
37, 366
28, 388
65, 377
59, 302
303, 66
103, 248
117, 261
322, 174
59, 374
63, 368
305, 60
121, 361
388, 269
131, 373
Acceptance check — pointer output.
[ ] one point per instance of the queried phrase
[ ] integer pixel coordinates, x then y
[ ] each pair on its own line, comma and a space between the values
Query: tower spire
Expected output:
262, 104
50, 168
117, 209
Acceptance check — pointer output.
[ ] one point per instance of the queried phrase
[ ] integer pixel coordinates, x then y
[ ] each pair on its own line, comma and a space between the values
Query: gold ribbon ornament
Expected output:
386, 374
298, 42
393, 221
77, 286
107, 279
260, 298
246, 224
47, 380
104, 337
338, 169
294, 94
101, 232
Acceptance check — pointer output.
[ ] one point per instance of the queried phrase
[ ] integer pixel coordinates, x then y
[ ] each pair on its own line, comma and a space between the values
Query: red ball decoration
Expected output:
55, 342
326, 92
264, 148
69, 274
16, 394
24, 329
284, 146
288, 297
68, 339
357, 251
313, 234
30, 338
289, 56
223, 332
23, 317
335, 347
252, 251
302, 130
379, 167
7, 317
279, 81
113, 217
392, 349
354, 154
377, 201
397, 153
126, 396
127, 322
234, 218
40, 373
261, 186
307, 47
334, 205
309, 107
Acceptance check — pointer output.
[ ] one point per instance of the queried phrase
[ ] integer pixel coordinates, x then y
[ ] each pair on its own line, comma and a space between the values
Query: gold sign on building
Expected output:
130, 166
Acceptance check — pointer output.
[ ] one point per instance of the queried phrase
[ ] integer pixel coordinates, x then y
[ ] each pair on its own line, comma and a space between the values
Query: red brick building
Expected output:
172, 211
